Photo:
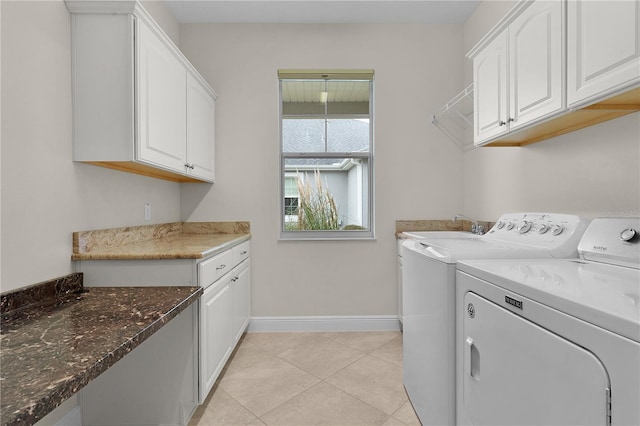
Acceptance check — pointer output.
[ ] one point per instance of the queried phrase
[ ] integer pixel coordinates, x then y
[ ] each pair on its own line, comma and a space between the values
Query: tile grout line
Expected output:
324, 380
329, 337
369, 353
320, 379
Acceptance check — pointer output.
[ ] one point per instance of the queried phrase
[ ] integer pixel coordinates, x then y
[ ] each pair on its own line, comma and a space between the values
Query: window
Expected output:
291, 202
326, 154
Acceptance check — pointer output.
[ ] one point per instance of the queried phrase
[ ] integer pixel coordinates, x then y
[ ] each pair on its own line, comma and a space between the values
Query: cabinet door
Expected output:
200, 130
216, 312
535, 63
490, 90
603, 48
161, 103
399, 286
241, 285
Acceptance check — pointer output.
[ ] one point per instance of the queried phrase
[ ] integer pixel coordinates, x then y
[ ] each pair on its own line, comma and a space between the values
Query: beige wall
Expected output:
419, 173
45, 196
592, 172
486, 15
417, 170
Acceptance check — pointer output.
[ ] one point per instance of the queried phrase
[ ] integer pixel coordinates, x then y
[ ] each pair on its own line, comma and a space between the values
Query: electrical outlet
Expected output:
147, 211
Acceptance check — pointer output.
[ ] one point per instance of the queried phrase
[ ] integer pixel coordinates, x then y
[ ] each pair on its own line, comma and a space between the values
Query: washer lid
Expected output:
452, 250
604, 295
430, 235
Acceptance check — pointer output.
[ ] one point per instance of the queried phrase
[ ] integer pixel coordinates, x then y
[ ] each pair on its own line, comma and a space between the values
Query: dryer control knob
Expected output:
509, 226
557, 229
543, 228
628, 234
500, 225
524, 227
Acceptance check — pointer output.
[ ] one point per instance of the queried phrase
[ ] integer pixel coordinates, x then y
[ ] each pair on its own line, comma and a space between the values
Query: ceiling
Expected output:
322, 11
298, 91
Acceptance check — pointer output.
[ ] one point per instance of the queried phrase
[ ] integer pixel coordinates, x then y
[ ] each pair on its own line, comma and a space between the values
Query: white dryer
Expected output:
428, 296
553, 342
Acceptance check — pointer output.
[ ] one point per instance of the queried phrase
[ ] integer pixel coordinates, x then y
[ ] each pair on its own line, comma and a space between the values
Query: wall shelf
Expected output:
455, 119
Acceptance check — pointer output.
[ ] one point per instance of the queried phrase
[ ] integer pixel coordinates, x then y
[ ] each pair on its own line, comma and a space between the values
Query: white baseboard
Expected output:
325, 323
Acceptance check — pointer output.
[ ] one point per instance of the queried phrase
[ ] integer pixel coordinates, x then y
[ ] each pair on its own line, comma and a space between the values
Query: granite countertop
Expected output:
54, 344
436, 225
178, 240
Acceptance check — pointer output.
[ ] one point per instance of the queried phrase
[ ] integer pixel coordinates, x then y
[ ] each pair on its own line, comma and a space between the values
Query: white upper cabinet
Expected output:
490, 90
535, 63
518, 72
161, 84
553, 67
603, 46
201, 108
138, 104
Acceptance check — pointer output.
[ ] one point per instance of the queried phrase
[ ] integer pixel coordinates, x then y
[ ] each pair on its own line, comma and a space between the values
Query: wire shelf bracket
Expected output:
455, 119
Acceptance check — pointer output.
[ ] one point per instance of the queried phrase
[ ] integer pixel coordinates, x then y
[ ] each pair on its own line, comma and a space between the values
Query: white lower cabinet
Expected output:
216, 315
399, 279
223, 314
241, 288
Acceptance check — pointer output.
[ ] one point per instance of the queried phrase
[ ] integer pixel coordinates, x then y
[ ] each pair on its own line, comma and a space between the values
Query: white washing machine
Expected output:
428, 297
553, 342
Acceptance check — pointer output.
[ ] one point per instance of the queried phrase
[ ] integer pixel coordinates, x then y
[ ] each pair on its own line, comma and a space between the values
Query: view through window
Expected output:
326, 161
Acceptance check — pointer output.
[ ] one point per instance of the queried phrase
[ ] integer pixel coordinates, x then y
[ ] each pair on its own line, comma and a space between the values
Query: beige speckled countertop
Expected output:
178, 240
436, 225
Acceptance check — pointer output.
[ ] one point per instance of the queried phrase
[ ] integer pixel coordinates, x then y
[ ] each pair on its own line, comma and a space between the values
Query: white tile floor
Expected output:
338, 379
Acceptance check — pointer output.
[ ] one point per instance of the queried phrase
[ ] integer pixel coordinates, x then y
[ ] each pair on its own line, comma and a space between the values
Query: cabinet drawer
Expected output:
241, 252
212, 269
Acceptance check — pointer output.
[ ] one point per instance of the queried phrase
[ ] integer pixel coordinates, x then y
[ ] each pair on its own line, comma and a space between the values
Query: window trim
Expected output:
315, 235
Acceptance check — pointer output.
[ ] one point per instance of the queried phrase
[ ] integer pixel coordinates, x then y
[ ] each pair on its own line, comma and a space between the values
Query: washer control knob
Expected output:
524, 227
509, 226
557, 229
543, 228
628, 234
500, 225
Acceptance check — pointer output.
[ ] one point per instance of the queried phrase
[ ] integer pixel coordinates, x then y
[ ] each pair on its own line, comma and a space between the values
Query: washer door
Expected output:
518, 373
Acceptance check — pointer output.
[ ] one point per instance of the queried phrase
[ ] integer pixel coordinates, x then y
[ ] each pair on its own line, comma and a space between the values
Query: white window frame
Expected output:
364, 234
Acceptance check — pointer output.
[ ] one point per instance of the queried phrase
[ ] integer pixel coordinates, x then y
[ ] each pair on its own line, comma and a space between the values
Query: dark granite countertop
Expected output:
50, 350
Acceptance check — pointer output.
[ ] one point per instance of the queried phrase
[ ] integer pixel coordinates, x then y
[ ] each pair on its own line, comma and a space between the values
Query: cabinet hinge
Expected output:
608, 406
